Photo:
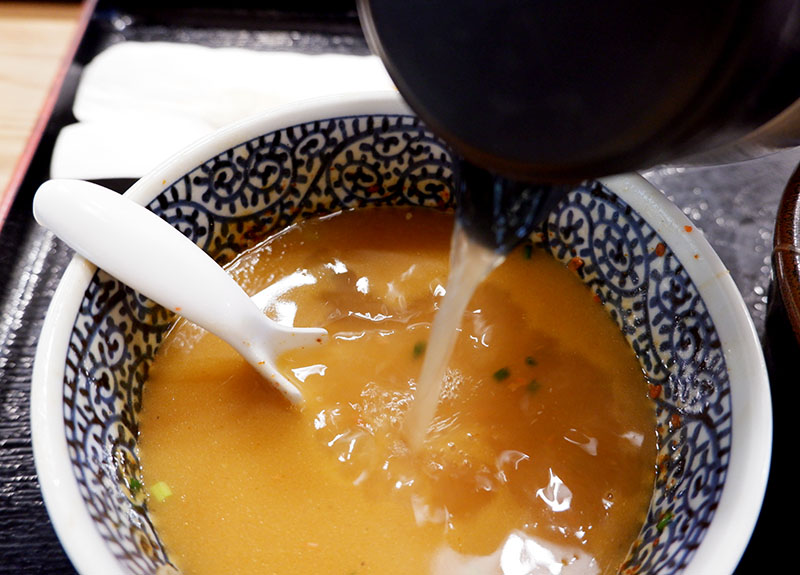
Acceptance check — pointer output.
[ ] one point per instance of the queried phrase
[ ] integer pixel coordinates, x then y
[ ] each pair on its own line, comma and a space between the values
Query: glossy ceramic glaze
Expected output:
786, 253
656, 275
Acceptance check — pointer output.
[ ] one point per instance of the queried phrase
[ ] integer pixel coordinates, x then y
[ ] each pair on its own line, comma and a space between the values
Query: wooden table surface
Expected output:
34, 40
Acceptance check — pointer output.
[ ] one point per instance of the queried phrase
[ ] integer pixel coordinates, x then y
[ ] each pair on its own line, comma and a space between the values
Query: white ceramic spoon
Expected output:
140, 249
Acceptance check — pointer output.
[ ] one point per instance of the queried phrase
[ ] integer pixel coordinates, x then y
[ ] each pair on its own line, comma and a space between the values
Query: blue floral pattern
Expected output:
649, 294
244, 194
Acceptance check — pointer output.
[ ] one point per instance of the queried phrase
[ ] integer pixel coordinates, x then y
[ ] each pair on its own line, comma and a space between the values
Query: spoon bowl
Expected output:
106, 228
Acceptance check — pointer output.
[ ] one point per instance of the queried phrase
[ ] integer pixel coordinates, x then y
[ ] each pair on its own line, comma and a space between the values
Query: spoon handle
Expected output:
140, 249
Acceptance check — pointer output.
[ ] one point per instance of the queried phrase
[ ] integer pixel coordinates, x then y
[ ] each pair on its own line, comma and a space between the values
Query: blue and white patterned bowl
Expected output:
658, 278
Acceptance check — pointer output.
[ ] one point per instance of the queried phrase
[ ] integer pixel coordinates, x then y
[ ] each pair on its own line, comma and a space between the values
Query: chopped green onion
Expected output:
530, 360
160, 491
527, 251
501, 374
665, 520
134, 485
419, 348
533, 386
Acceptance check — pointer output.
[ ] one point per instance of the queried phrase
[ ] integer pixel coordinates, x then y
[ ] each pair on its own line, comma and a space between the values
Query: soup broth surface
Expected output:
540, 458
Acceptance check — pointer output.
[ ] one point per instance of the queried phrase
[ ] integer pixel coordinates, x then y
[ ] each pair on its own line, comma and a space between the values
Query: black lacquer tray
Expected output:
735, 206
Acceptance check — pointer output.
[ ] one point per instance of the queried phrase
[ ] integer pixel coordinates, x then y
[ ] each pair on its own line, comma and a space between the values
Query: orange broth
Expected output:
542, 451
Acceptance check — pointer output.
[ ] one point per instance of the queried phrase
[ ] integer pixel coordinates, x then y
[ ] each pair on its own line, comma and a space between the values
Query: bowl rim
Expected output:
751, 404
749, 463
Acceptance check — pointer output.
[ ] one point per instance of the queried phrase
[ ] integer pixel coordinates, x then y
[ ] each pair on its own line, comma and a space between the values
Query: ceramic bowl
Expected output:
658, 278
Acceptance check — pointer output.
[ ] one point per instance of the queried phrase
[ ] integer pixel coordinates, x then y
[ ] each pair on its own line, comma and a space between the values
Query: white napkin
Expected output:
140, 102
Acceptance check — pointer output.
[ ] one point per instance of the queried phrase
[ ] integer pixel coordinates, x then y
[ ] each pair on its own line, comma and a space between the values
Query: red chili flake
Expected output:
373, 189
575, 264
596, 297
688, 228
661, 249
697, 256
675, 420
178, 308
654, 390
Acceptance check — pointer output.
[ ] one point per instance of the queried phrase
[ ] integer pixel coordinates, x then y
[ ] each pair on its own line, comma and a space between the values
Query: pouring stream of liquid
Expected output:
470, 263
493, 216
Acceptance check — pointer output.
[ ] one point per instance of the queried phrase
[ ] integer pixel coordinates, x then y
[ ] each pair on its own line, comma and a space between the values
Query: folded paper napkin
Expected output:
138, 103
